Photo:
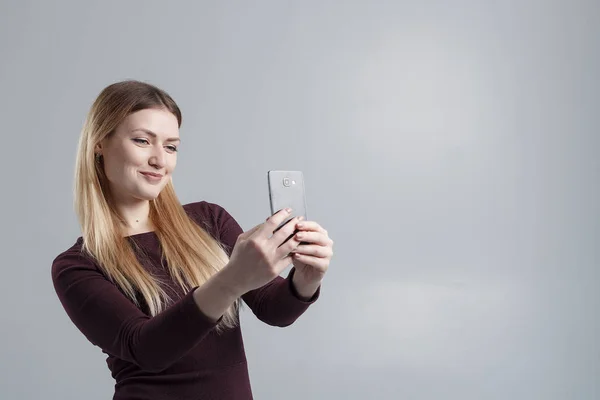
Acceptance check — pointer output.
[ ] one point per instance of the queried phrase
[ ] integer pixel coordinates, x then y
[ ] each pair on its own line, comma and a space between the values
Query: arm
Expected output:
278, 303
304, 290
112, 322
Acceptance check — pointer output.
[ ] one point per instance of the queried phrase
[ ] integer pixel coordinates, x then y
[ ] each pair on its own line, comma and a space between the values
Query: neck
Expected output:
136, 215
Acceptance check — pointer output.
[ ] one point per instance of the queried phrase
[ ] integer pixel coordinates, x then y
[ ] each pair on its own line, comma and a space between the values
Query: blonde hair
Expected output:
192, 254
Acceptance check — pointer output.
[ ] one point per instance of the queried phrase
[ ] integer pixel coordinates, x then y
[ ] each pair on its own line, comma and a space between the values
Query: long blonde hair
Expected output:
192, 254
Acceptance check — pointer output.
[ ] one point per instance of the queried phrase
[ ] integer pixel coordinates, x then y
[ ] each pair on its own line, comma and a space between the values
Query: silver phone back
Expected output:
286, 189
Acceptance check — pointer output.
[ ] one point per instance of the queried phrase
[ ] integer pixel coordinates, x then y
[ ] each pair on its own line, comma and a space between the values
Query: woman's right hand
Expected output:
259, 255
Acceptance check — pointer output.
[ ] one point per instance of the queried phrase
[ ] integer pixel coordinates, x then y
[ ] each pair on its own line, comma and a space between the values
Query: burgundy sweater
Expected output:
176, 354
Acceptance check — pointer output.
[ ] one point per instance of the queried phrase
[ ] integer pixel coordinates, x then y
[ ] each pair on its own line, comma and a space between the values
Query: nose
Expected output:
157, 159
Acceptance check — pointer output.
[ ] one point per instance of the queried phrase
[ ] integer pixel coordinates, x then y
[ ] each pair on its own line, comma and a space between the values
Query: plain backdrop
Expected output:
450, 148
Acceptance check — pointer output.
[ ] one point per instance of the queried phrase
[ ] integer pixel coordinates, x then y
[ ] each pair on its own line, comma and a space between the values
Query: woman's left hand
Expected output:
311, 260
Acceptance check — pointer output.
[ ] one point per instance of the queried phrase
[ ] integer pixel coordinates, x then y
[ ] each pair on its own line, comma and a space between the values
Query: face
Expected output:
140, 156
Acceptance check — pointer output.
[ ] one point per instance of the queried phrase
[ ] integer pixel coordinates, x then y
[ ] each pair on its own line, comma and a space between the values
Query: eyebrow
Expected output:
149, 132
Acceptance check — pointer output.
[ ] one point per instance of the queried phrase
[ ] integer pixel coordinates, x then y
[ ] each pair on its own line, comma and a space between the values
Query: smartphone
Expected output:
286, 189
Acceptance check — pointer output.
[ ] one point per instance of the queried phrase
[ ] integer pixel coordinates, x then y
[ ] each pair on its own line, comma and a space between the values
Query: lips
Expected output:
152, 174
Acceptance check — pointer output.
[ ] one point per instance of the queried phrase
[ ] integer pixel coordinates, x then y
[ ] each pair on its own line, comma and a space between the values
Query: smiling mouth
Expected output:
152, 178
152, 175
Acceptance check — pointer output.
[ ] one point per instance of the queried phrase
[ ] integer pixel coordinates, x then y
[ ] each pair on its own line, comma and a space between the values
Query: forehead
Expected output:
163, 122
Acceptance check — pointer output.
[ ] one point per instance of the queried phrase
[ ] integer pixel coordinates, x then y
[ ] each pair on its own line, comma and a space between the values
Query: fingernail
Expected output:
300, 225
288, 210
300, 218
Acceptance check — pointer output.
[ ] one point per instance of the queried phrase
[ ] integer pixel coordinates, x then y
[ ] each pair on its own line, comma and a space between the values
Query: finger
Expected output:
313, 238
274, 221
286, 232
320, 264
311, 226
283, 263
287, 247
313, 250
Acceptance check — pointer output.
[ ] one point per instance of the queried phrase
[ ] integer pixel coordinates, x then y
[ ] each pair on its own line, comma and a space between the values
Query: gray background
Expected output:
450, 149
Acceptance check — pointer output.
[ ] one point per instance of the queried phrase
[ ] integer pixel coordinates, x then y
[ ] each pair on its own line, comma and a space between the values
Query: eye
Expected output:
140, 141
172, 148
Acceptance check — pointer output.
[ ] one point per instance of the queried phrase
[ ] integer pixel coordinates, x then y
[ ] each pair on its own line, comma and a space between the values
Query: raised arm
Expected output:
112, 322
277, 303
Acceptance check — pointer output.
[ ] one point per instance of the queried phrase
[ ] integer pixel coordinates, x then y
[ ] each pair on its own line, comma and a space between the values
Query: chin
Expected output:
149, 198
146, 195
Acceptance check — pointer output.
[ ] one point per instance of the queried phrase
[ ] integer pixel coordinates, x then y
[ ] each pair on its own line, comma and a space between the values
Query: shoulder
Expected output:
212, 216
73, 262
205, 212
203, 209
72, 254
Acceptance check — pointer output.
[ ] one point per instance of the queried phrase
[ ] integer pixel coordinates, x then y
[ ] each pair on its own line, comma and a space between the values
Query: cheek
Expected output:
171, 164
121, 167
116, 172
134, 158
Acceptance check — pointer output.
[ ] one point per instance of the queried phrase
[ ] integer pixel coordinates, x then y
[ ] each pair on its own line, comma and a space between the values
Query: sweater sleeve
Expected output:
112, 321
277, 303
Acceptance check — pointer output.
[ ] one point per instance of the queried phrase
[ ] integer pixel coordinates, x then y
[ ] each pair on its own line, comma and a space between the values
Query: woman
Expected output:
158, 286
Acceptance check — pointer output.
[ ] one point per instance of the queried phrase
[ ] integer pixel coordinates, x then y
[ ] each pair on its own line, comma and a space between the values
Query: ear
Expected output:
98, 148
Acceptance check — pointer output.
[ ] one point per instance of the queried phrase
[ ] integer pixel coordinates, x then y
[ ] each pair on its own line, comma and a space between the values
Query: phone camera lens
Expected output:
286, 182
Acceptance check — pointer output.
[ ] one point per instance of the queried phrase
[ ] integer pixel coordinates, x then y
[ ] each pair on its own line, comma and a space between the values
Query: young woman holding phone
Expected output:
158, 285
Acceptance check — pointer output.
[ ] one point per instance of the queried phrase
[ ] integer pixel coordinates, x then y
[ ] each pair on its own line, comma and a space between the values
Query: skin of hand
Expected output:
311, 258
259, 256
